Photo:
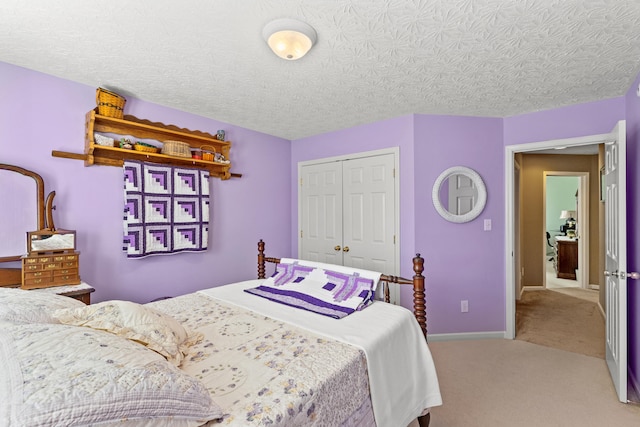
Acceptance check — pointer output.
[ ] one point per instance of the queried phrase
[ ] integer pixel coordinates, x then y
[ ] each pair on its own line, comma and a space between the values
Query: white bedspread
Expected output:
402, 374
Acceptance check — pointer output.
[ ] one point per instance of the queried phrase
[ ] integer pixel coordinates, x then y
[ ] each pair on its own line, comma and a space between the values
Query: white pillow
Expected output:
56, 374
22, 306
151, 328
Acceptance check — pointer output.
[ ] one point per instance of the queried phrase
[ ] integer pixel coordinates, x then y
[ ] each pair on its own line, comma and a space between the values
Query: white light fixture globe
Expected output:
288, 38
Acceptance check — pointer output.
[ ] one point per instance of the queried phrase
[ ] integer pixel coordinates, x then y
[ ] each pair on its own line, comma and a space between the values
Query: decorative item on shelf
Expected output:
45, 241
110, 104
146, 148
219, 158
196, 153
52, 259
126, 144
103, 140
208, 152
220, 135
176, 149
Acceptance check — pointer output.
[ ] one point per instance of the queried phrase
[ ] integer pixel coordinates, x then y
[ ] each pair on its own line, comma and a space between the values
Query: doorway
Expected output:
615, 242
566, 220
512, 222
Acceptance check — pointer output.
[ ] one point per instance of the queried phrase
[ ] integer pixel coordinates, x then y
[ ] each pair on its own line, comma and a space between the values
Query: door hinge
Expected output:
394, 172
394, 239
301, 234
300, 182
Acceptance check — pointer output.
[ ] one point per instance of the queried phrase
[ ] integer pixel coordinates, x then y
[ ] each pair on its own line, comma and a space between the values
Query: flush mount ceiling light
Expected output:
288, 38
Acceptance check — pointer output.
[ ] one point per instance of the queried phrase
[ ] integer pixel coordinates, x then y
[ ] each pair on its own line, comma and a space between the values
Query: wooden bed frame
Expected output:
419, 305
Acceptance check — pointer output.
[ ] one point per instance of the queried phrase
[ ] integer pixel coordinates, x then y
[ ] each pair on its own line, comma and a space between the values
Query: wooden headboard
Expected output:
419, 306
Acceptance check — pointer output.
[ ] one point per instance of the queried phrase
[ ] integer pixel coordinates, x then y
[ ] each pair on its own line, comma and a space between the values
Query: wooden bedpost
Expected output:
419, 308
261, 269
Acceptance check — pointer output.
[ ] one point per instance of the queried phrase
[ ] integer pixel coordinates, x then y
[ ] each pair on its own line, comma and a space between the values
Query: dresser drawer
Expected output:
66, 279
38, 282
38, 274
47, 270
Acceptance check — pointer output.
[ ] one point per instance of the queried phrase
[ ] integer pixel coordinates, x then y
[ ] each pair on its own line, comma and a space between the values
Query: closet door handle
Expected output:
345, 249
337, 248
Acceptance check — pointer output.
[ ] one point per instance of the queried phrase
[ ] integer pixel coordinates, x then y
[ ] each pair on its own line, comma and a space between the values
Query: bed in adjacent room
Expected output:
271, 351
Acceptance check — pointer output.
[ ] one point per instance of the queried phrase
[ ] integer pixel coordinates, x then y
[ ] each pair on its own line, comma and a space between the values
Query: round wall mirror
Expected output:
459, 194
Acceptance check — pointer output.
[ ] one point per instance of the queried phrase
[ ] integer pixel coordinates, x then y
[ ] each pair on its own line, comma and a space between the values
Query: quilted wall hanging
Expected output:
166, 209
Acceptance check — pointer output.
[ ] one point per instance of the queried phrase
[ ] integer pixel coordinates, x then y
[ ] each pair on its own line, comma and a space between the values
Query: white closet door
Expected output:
369, 213
321, 216
348, 213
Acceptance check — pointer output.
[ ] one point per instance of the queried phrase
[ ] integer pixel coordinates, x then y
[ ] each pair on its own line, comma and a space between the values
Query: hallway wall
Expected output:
532, 228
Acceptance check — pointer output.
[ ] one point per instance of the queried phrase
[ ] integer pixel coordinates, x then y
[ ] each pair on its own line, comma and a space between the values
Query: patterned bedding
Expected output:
263, 371
248, 362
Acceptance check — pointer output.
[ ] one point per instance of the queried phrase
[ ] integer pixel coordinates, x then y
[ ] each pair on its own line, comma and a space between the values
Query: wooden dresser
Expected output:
565, 257
53, 269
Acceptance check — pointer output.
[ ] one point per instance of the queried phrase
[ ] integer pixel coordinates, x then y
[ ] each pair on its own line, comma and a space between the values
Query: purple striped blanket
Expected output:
316, 289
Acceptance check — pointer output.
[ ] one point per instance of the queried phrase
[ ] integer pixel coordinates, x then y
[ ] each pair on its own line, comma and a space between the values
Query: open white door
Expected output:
616, 258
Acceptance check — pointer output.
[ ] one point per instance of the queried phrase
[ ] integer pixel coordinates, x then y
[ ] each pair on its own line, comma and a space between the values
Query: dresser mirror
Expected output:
24, 210
459, 194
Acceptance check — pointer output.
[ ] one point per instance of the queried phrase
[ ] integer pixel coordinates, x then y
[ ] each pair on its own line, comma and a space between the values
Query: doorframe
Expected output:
583, 225
394, 291
511, 251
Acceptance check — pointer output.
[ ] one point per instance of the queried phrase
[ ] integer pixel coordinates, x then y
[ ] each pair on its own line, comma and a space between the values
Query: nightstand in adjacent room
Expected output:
81, 292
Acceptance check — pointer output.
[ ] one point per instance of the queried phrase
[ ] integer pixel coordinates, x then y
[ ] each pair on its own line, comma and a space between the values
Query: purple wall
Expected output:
463, 262
632, 103
41, 113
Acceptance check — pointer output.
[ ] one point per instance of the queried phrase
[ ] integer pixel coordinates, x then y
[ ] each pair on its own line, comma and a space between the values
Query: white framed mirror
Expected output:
459, 194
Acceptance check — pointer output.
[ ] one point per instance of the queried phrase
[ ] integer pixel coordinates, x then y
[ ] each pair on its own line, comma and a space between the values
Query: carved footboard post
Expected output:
419, 307
261, 269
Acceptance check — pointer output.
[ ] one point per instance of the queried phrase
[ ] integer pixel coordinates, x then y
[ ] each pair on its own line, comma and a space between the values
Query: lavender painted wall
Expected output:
463, 262
40, 113
632, 104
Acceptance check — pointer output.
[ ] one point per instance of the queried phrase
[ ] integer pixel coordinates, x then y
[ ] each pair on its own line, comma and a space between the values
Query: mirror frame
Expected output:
40, 203
480, 202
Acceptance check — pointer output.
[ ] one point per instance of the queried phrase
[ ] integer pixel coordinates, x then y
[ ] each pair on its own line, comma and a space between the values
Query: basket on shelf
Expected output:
176, 148
208, 152
146, 148
110, 104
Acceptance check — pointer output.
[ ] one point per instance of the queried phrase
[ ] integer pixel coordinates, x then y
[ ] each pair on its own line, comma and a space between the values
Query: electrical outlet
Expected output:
487, 225
464, 306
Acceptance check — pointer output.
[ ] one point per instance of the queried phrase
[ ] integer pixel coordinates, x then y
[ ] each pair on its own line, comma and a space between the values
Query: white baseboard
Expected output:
466, 336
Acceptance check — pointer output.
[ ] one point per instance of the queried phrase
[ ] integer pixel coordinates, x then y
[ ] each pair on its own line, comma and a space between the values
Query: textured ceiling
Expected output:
374, 60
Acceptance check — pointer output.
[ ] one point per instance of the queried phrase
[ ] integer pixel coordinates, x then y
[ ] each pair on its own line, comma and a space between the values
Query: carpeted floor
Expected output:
561, 320
511, 383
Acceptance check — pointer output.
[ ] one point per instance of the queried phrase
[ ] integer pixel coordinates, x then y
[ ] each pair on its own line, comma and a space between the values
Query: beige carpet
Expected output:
511, 383
566, 320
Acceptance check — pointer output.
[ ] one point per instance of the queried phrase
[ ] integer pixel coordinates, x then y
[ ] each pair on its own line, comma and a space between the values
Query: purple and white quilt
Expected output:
166, 209
330, 293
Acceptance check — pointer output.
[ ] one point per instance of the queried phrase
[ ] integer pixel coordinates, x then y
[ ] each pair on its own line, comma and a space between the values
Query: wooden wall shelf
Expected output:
144, 129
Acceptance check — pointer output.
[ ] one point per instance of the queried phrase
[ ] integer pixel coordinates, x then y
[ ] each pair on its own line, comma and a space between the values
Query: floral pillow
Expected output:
55, 374
22, 306
154, 329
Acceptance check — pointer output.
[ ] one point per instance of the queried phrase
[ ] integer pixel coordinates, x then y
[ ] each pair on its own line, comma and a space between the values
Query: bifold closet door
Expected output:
321, 216
348, 212
369, 213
